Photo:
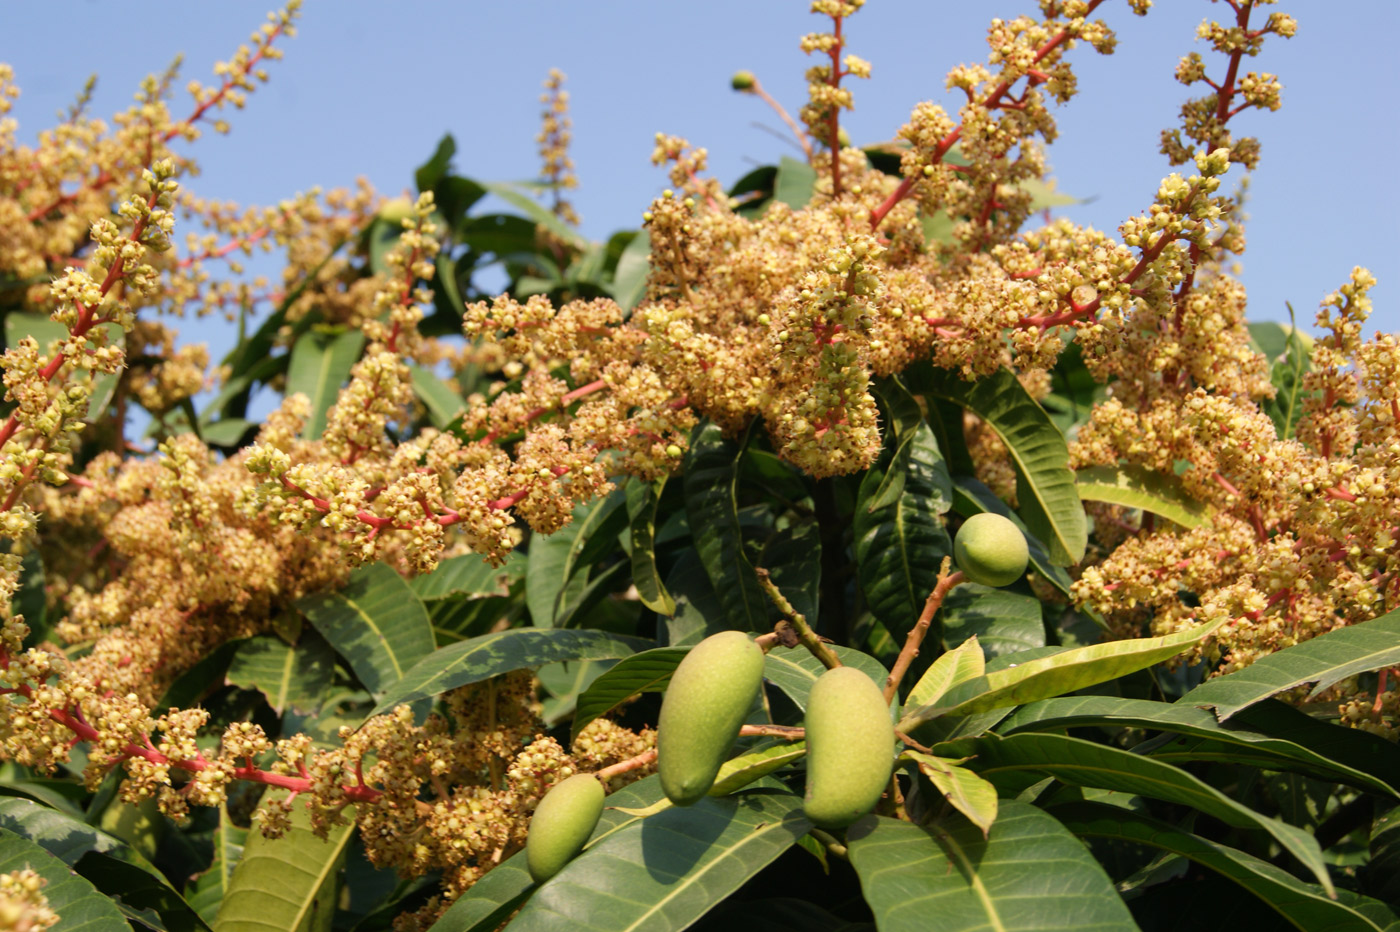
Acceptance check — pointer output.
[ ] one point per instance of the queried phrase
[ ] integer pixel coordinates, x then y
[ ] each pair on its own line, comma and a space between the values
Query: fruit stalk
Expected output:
805, 635
946, 581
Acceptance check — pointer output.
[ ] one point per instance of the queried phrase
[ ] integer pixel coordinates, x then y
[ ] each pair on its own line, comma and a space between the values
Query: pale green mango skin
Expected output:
710, 693
991, 550
562, 822
850, 747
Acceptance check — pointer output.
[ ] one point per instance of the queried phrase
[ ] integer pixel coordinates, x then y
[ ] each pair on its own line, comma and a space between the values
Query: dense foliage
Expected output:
320, 671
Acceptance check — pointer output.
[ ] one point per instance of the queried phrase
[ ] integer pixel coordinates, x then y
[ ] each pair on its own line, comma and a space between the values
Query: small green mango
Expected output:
561, 824
710, 693
850, 747
991, 550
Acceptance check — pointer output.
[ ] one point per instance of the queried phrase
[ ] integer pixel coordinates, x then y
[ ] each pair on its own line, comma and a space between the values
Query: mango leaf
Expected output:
208, 889
795, 670
539, 214
1085, 763
566, 682
469, 574
555, 560
31, 600
1143, 489
1028, 875
1062, 672
289, 676
1305, 906
1291, 352
1004, 622
286, 884
793, 558
77, 902
629, 284
698, 612
794, 182
443, 401
647, 672
642, 501
662, 874
965, 790
965, 662
1044, 196
1324, 660
320, 364
376, 623
1383, 872
1292, 739
741, 770
711, 479
1045, 486
971, 497
483, 657
113, 866
900, 546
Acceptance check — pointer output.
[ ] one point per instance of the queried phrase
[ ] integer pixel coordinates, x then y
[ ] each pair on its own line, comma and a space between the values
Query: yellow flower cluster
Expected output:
23, 906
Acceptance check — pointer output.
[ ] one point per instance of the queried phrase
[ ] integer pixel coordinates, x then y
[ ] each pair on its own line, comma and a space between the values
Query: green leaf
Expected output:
711, 479
793, 558
290, 677
207, 891
1324, 660
647, 672
114, 867
226, 433
1045, 486
1044, 196
319, 366
543, 216
965, 662
1306, 906
1383, 872
965, 790
554, 560
78, 903
1294, 740
642, 501
483, 657
1028, 874
971, 497
629, 284
286, 884
1143, 489
698, 612
1291, 361
431, 172
31, 600
743, 769
900, 544
1062, 672
566, 682
667, 871
795, 670
1004, 622
376, 623
442, 400
1085, 763
469, 574
794, 183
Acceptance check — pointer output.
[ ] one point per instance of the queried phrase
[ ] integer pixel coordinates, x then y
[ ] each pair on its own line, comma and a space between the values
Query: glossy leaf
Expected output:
647, 672
1323, 660
1059, 673
1028, 875
742, 769
793, 558
965, 662
556, 559
1140, 488
795, 670
376, 623
794, 182
536, 212
711, 485
1294, 740
629, 283
320, 364
667, 871
698, 611
1004, 622
77, 902
1045, 486
483, 657
1085, 763
207, 891
1306, 906
31, 600
642, 501
286, 884
964, 789
468, 574
289, 676
443, 402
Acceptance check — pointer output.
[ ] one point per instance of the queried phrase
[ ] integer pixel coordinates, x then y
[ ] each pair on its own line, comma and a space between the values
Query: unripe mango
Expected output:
710, 693
991, 550
850, 747
561, 824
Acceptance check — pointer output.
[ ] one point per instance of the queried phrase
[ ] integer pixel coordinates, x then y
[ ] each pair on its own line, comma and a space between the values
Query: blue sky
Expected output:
369, 87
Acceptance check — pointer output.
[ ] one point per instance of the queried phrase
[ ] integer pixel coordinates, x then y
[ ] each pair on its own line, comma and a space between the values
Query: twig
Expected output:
632, 763
804, 631
906, 657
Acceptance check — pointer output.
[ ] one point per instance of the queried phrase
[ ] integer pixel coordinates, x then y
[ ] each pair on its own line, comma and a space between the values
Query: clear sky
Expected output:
367, 88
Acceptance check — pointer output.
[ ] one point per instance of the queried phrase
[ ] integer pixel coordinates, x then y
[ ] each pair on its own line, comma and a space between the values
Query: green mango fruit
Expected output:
991, 550
710, 693
850, 747
562, 822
